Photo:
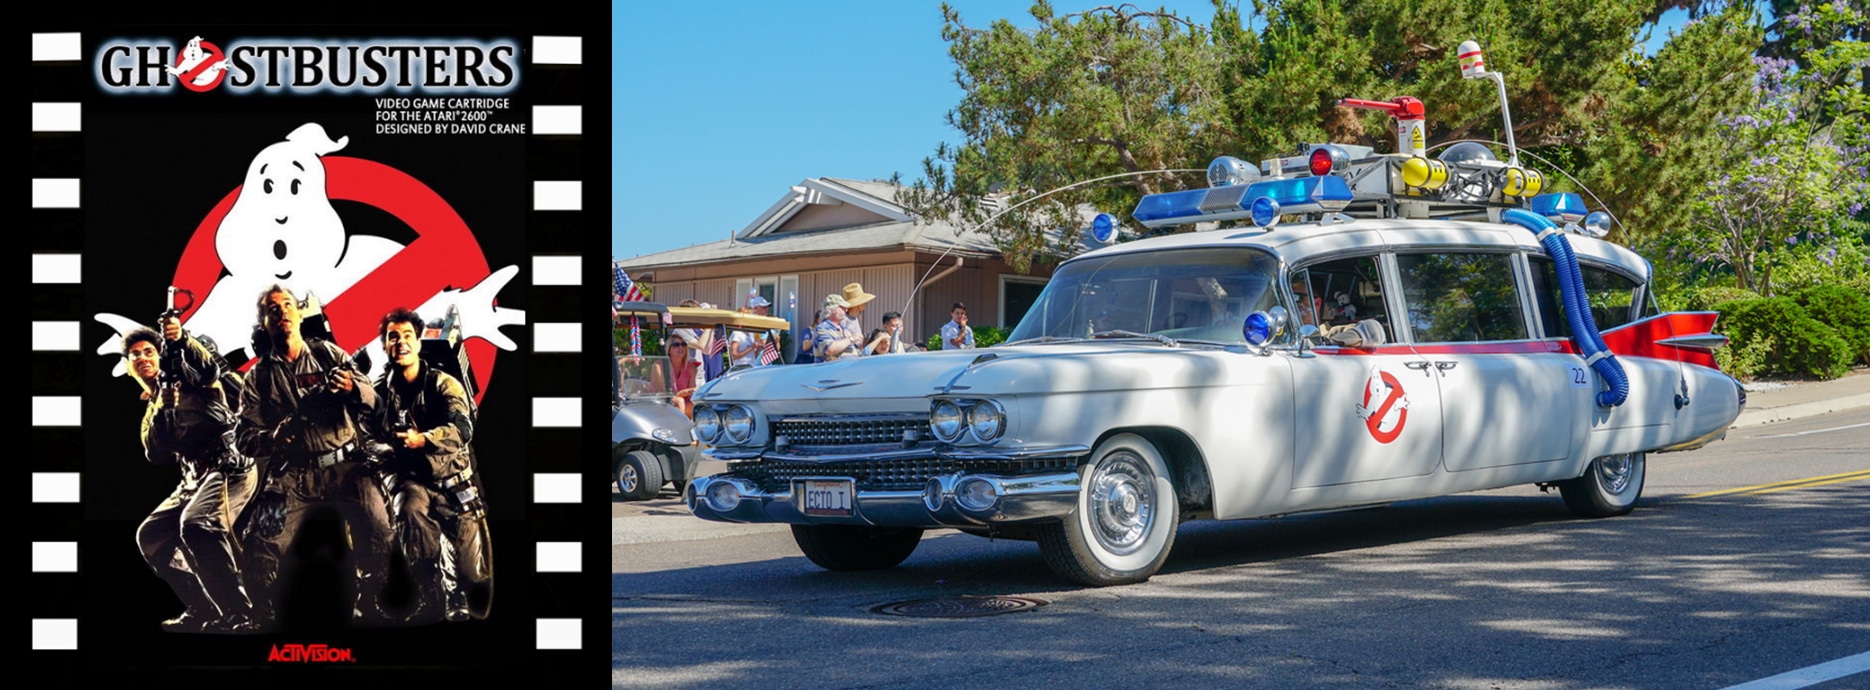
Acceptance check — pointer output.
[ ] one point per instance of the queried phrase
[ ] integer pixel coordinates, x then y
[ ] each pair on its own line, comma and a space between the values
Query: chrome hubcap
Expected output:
1614, 472
1122, 502
626, 478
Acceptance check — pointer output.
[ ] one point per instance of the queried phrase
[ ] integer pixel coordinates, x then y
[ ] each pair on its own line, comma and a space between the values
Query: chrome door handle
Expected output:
1444, 366
1418, 366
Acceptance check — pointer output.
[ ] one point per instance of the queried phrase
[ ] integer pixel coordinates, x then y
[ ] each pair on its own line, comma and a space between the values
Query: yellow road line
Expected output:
1792, 484
1804, 486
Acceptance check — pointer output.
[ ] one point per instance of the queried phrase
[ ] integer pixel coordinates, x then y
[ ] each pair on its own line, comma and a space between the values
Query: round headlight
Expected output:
987, 420
739, 424
723, 496
945, 421
707, 425
1597, 224
975, 494
931, 494
663, 435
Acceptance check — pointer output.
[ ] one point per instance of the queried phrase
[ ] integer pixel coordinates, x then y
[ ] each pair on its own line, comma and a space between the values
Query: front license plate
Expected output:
828, 497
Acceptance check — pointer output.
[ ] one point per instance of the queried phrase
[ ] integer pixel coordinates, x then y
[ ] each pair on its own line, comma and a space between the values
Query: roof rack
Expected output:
1341, 182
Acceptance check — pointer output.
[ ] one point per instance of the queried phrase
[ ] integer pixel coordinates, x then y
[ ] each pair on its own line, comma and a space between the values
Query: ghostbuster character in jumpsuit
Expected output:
188, 540
299, 415
426, 419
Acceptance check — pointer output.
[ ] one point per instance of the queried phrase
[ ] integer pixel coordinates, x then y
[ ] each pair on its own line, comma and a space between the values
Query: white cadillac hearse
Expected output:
1417, 327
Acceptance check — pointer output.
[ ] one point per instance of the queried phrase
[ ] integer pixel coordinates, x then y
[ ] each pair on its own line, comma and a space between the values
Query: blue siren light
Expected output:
1295, 195
1564, 207
1103, 228
1258, 328
1170, 205
1265, 212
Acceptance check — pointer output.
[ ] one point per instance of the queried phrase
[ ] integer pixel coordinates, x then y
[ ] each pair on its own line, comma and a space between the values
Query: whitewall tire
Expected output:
1610, 486
1125, 521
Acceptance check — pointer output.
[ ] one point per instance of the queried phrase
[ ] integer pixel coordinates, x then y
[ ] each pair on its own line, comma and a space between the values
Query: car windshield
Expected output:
643, 377
1198, 294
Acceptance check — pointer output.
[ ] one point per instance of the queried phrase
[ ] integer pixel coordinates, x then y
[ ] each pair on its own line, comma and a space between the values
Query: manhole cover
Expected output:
959, 607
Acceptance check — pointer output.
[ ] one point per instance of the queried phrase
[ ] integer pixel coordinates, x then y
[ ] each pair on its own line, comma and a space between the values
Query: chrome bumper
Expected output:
1021, 498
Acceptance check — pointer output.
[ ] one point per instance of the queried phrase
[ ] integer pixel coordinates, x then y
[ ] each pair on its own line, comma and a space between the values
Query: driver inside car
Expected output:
1348, 333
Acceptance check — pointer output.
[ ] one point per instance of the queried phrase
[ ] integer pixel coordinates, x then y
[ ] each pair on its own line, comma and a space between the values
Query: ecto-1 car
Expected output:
1416, 328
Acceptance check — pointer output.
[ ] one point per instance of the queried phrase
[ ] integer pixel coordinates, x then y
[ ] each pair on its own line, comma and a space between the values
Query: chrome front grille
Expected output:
844, 431
886, 475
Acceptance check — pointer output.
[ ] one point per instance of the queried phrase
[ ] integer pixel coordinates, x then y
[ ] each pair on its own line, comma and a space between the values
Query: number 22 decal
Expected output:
1579, 379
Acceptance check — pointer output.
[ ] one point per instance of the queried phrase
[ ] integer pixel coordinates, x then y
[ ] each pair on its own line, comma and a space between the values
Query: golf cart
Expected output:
652, 441
724, 322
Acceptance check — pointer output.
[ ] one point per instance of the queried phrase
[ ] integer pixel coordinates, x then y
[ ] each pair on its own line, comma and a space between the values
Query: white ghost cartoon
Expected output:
282, 229
1379, 393
192, 55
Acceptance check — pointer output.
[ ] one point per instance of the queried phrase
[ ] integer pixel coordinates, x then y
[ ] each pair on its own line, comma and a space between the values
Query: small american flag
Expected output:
625, 289
769, 354
720, 341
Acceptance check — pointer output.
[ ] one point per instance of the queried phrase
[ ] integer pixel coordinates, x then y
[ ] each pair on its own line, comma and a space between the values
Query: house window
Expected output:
1017, 295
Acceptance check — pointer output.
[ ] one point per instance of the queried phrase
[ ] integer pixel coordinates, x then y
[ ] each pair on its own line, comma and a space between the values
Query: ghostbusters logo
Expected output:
279, 227
201, 66
1385, 408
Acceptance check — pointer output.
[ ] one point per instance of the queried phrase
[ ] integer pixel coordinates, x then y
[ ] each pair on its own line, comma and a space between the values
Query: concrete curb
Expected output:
1807, 409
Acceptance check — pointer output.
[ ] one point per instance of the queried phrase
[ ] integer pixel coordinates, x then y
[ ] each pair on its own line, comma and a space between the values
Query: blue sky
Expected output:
718, 106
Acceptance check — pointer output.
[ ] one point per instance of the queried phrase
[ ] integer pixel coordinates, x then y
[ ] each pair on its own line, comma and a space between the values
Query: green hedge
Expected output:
1784, 339
984, 336
1704, 299
1844, 309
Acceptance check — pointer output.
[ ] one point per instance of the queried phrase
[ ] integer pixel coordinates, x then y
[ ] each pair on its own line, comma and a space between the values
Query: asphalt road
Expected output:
1496, 589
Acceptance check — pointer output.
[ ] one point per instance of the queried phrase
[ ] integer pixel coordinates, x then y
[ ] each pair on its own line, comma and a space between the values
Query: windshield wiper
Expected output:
1213, 343
1043, 339
1166, 340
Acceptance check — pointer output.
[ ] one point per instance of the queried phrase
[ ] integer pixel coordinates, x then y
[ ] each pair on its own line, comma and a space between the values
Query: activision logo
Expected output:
317, 653
306, 66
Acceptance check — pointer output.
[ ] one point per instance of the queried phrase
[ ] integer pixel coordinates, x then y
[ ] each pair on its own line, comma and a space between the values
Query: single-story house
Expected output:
825, 233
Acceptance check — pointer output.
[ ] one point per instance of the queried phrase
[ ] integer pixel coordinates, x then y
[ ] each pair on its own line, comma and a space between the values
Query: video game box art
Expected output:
291, 345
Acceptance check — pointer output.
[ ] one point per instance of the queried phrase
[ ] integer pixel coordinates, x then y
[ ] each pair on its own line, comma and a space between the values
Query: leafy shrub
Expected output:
984, 336
1845, 309
1704, 298
1744, 361
1800, 345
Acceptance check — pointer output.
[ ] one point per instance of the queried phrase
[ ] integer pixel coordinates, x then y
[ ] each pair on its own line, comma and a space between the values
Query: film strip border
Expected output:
559, 86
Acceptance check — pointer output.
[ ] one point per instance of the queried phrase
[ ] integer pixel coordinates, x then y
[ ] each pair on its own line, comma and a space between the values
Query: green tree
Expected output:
1121, 90
1090, 94
1791, 167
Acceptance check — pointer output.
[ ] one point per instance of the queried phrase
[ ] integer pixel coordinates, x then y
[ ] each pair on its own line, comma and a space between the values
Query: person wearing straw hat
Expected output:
855, 296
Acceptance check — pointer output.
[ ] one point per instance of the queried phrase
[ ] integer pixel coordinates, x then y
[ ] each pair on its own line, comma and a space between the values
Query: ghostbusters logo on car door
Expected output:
1385, 407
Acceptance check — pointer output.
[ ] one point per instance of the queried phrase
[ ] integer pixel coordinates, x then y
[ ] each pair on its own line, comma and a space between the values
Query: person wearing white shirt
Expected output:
956, 335
743, 348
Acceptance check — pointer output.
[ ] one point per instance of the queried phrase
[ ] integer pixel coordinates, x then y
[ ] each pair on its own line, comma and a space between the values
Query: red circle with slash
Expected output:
214, 55
443, 255
1376, 418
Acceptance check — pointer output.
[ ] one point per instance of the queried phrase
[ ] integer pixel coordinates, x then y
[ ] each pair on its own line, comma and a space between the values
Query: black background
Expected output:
153, 165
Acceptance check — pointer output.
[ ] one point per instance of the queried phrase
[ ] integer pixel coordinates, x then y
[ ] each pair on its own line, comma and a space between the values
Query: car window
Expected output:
1610, 294
1461, 297
1203, 294
1339, 293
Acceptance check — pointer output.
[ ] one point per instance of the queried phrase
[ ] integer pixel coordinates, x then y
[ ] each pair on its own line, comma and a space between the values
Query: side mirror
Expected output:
1306, 333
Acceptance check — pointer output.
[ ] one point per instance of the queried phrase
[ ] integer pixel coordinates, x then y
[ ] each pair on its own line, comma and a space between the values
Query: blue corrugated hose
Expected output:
1577, 306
